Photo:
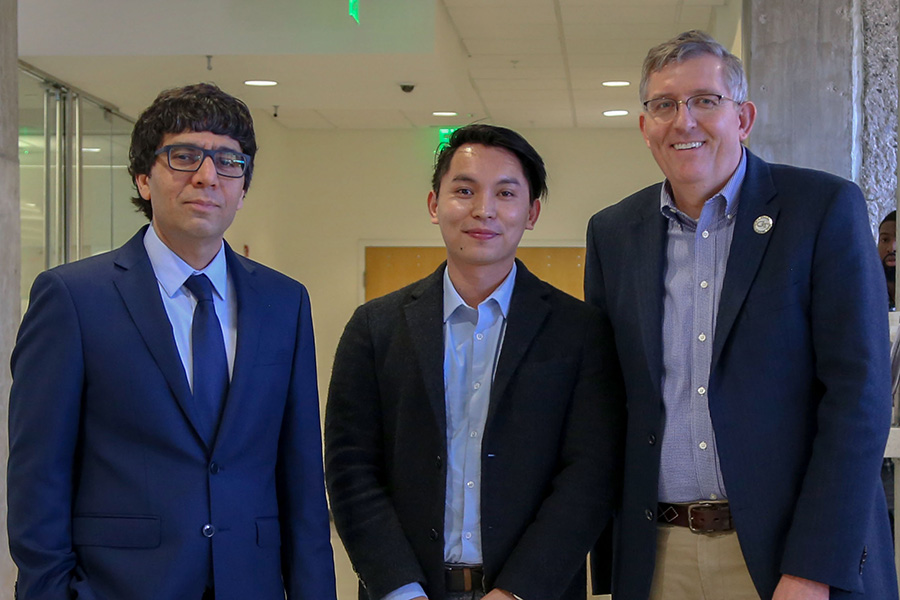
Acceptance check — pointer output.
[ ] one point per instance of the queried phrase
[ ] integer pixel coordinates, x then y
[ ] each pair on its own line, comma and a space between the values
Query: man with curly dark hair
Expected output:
164, 427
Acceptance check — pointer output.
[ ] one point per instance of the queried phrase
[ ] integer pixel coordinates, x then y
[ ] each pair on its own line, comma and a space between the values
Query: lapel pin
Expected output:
762, 224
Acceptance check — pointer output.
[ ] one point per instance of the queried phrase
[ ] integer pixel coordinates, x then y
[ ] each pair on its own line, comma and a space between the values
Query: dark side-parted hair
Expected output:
197, 108
496, 137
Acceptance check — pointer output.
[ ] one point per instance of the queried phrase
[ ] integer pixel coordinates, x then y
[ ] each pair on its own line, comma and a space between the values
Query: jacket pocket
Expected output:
268, 532
116, 531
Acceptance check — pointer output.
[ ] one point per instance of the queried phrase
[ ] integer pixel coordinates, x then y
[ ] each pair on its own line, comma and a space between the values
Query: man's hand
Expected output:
498, 594
797, 588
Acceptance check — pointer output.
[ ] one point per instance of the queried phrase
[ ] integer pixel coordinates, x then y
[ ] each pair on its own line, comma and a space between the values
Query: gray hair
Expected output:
691, 44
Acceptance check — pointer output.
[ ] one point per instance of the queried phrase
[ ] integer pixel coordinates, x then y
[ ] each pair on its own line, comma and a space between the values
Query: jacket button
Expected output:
433, 534
651, 439
208, 530
649, 514
438, 462
213, 467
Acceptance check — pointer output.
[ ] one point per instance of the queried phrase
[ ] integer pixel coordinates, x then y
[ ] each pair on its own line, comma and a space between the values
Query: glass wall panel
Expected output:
75, 188
108, 218
37, 174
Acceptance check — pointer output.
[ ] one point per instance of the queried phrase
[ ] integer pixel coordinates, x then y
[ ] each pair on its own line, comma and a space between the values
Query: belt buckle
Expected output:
690, 510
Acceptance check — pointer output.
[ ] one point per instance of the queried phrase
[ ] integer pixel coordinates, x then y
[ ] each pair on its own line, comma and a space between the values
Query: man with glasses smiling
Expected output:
163, 418
747, 303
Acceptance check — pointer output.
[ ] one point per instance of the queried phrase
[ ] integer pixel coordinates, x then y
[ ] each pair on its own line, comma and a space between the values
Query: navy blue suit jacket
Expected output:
799, 387
110, 484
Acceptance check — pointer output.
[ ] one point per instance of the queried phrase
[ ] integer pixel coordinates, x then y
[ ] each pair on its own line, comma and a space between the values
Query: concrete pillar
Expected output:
823, 74
9, 256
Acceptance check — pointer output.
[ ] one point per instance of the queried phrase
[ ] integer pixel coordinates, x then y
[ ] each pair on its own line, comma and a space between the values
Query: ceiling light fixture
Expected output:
261, 82
444, 113
90, 149
615, 113
616, 84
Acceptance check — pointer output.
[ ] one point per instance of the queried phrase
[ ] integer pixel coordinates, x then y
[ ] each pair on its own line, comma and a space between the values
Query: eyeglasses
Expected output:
700, 106
228, 163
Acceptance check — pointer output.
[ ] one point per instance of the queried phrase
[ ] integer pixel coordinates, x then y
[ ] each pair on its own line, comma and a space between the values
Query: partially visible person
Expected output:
472, 431
163, 419
887, 251
748, 308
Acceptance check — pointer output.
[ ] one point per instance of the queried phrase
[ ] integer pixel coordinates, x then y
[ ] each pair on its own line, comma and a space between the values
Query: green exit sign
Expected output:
444, 134
354, 10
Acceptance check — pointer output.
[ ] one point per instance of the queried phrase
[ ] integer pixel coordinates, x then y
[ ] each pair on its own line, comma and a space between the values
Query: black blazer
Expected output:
799, 388
548, 453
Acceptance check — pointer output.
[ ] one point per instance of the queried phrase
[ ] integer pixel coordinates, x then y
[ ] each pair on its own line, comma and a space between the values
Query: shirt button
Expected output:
468, 535
479, 336
701, 390
208, 530
705, 234
713, 497
470, 484
477, 385
473, 434
704, 284
703, 445
702, 337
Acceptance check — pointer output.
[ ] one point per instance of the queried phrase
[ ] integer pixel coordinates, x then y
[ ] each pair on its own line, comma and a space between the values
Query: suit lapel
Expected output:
747, 247
424, 317
136, 283
648, 251
528, 309
249, 323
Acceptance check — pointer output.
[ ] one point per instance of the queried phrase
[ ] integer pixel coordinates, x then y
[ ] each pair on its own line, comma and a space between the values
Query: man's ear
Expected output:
143, 185
747, 116
432, 206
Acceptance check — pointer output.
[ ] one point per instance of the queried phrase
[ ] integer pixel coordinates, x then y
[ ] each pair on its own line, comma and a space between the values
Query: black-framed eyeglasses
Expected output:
184, 157
701, 105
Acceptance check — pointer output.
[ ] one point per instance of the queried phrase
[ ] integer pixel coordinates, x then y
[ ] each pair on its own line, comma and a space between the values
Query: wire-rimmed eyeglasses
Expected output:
184, 157
701, 105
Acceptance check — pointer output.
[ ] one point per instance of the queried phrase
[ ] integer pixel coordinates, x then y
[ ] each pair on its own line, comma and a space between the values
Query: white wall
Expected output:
318, 196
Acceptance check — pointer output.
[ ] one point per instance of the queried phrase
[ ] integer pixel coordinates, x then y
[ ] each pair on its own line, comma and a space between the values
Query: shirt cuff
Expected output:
406, 592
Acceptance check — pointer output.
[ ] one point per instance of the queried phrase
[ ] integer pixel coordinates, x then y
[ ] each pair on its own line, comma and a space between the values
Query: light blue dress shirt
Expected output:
473, 338
696, 255
171, 273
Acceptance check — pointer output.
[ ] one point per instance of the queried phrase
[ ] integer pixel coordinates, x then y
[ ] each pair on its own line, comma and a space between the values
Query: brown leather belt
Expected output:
699, 517
463, 579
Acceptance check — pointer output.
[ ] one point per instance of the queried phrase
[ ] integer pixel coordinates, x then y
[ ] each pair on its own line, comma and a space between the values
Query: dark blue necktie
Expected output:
210, 364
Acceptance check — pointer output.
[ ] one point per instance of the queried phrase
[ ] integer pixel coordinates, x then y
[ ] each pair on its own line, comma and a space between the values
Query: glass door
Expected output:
75, 189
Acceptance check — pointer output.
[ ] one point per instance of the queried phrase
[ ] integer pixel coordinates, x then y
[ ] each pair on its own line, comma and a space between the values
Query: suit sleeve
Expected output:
356, 471
44, 416
307, 558
850, 342
580, 504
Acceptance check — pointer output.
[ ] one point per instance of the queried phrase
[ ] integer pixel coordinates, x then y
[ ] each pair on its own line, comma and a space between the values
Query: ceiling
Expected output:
518, 63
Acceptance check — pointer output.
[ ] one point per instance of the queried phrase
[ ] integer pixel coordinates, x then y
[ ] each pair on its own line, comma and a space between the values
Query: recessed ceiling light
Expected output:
616, 83
261, 82
90, 149
444, 113
615, 113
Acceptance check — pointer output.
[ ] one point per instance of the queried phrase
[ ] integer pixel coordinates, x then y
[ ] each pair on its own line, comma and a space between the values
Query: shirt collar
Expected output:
501, 296
731, 192
171, 271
